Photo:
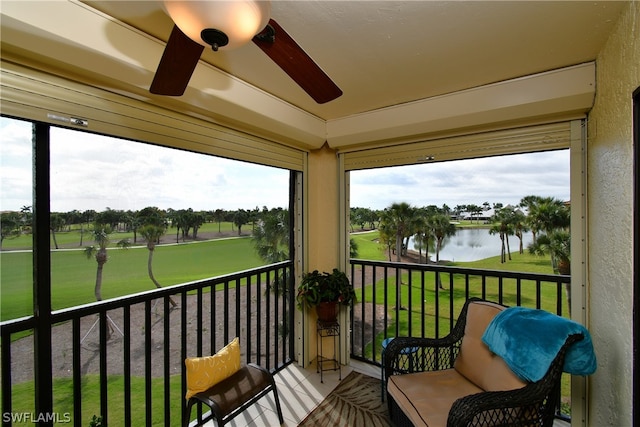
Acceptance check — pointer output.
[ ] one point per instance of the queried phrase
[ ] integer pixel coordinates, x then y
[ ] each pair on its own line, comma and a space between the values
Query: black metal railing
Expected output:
123, 359
403, 299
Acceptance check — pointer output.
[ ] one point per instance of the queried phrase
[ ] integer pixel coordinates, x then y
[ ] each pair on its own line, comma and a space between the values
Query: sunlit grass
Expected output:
63, 402
368, 246
415, 300
73, 279
73, 238
73, 276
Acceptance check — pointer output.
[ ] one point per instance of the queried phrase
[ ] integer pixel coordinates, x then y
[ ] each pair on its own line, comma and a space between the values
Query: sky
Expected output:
91, 171
95, 172
504, 179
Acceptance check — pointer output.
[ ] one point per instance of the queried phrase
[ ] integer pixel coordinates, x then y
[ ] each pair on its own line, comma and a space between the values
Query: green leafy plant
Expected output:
95, 422
316, 287
557, 244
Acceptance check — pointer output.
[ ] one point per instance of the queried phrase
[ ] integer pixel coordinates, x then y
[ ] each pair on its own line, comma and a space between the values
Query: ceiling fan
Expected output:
229, 24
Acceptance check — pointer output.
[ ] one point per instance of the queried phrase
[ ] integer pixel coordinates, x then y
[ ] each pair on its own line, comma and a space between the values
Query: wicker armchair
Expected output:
533, 404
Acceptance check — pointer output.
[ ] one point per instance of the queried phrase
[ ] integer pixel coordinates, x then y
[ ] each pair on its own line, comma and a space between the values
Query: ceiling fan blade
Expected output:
294, 61
176, 66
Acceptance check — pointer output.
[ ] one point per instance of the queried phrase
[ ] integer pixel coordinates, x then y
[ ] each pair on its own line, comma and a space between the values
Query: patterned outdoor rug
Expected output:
355, 402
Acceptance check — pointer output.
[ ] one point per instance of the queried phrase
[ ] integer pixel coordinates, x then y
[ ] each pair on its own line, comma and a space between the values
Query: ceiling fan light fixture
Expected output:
203, 21
215, 38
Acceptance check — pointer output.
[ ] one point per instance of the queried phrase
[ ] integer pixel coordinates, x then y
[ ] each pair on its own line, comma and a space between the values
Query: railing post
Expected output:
7, 407
43, 369
150, 359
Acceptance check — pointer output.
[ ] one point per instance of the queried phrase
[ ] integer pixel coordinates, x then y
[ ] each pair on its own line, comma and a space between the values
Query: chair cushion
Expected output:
426, 397
476, 362
204, 372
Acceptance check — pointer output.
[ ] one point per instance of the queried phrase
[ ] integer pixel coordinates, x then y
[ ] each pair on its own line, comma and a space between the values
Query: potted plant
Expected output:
325, 291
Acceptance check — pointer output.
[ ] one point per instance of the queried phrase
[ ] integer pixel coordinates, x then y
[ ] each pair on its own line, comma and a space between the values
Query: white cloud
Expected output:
95, 172
15, 165
505, 179
91, 171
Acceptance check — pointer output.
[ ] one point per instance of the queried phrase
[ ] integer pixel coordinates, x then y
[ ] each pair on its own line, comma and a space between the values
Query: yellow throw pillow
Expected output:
205, 372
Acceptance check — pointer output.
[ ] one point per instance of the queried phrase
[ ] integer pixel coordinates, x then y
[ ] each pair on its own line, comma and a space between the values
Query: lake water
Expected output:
472, 244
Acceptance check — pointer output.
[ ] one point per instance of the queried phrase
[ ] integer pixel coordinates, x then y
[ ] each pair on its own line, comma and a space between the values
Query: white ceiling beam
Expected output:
558, 93
109, 54
103, 52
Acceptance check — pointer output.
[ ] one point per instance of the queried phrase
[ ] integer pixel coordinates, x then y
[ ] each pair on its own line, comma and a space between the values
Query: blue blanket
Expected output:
528, 340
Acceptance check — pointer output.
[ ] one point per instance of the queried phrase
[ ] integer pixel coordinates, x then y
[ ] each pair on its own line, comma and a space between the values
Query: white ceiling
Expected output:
400, 64
384, 53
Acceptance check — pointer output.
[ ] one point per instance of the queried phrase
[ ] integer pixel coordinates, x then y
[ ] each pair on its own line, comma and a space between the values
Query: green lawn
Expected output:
368, 248
73, 279
411, 290
72, 238
73, 276
63, 400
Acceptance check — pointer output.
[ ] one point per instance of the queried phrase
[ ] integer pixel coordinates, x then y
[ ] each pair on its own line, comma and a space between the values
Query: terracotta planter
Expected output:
327, 311
564, 267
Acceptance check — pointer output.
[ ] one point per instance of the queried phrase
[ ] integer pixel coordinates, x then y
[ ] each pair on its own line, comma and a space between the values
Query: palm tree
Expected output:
553, 218
353, 248
176, 221
387, 236
441, 228
183, 220
56, 222
372, 217
240, 218
101, 234
398, 218
271, 241
254, 217
86, 217
546, 214
557, 243
421, 237
101, 237
197, 219
152, 234
25, 216
271, 235
503, 228
458, 210
218, 216
438, 226
9, 225
357, 216
133, 223
496, 228
474, 210
519, 227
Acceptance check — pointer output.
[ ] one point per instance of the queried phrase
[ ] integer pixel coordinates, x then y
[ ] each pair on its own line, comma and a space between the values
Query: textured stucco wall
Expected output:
323, 210
323, 228
610, 204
